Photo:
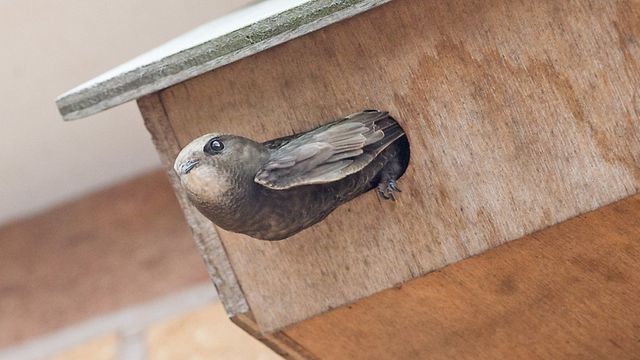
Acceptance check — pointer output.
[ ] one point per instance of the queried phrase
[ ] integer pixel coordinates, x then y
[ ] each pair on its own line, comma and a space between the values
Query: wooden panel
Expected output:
520, 114
247, 31
568, 292
278, 341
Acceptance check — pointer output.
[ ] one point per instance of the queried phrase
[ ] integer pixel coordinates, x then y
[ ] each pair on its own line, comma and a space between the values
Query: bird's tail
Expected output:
378, 121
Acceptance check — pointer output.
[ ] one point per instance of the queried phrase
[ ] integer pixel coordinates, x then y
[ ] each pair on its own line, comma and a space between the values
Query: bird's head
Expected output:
212, 166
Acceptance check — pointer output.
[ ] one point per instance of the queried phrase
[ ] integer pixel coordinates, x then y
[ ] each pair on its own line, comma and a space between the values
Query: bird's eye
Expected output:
213, 146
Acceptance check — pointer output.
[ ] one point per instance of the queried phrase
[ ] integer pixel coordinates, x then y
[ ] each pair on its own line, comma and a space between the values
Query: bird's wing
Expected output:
330, 152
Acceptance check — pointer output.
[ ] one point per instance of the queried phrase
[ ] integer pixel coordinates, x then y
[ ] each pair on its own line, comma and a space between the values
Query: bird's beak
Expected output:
187, 166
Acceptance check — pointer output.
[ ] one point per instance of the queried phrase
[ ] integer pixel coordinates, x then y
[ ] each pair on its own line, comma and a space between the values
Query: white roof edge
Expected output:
220, 42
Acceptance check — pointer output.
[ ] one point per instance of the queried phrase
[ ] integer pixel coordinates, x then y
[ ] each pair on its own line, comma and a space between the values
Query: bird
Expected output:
275, 189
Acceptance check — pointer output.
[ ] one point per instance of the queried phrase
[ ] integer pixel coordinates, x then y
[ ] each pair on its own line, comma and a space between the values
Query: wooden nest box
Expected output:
522, 116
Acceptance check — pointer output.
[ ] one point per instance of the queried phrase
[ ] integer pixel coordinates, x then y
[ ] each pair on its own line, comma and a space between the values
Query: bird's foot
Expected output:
386, 189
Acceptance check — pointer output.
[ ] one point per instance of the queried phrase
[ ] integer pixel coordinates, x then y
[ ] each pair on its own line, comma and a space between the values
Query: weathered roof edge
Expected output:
124, 83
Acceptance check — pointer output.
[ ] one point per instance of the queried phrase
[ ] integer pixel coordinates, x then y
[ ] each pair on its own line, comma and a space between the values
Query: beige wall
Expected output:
49, 47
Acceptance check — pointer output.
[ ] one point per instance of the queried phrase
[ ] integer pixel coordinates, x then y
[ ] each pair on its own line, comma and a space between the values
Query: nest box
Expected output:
520, 115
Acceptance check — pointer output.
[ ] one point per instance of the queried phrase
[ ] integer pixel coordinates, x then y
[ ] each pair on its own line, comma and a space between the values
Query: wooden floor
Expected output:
122, 246
570, 291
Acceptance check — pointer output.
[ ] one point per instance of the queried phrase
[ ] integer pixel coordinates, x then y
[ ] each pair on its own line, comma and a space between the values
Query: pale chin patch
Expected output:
206, 183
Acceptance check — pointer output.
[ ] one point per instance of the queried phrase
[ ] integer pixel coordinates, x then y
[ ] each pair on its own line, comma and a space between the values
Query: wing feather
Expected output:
330, 152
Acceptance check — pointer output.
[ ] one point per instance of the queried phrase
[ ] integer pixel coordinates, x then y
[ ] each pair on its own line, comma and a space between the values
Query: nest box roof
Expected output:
215, 44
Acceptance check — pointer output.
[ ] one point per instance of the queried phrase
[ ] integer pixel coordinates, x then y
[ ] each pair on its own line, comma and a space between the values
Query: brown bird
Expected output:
275, 189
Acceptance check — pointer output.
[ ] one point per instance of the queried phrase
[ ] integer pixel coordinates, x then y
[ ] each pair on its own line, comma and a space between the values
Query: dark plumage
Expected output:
275, 189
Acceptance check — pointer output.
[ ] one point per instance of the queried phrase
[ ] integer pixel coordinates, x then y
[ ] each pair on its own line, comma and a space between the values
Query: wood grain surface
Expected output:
264, 24
568, 292
520, 115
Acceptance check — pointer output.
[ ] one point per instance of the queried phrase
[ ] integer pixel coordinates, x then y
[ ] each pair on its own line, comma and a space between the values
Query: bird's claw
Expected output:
387, 189
393, 185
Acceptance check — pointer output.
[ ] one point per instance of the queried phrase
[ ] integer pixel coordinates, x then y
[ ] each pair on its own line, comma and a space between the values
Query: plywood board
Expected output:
520, 115
568, 292
242, 33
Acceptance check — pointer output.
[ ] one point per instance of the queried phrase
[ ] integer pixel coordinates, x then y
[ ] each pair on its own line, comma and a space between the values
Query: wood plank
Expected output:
204, 233
212, 45
277, 341
520, 115
570, 291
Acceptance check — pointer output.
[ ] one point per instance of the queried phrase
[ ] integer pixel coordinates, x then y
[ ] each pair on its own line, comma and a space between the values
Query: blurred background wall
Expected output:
49, 47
